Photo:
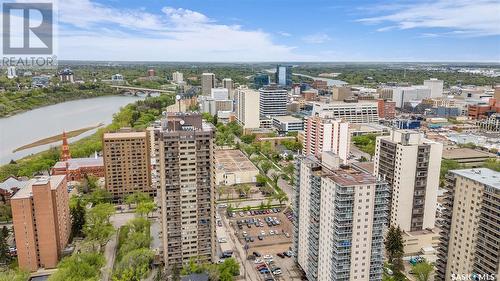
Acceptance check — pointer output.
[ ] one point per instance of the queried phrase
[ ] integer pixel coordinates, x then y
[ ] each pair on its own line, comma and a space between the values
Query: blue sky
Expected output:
280, 30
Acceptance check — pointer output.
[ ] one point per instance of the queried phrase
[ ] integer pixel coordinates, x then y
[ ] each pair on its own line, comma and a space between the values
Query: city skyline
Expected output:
343, 31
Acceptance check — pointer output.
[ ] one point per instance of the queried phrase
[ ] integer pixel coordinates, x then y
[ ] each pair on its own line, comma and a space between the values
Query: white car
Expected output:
262, 232
258, 261
220, 261
271, 232
222, 240
268, 257
245, 234
277, 272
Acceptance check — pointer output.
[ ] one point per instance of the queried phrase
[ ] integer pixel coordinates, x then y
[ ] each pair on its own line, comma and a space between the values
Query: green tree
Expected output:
98, 196
265, 166
492, 164
5, 257
281, 197
394, 247
261, 180
248, 139
79, 266
230, 267
77, 211
447, 165
98, 228
7, 274
136, 198
134, 266
423, 270
275, 178
144, 208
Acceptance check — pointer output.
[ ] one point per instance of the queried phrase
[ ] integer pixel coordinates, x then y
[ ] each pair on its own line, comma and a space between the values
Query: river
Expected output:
33, 125
329, 82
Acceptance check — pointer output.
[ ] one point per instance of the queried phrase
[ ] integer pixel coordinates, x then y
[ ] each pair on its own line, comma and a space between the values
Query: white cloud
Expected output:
317, 38
285, 34
470, 17
93, 31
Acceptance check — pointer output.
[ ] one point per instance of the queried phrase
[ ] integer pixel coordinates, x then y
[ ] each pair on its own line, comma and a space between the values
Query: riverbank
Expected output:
13, 103
136, 115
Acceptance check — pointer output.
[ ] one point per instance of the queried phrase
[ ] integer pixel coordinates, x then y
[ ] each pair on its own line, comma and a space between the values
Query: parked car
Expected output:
277, 272
258, 261
267, 257
257, 254
281, 255
260, 237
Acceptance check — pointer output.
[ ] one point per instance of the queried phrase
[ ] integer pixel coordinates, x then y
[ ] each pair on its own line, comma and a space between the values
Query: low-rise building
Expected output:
233, 167
76, 169
9, 187
467, 156
287, 124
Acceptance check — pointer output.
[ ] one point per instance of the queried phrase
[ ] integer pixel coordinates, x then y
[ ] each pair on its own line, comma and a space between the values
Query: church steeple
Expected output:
65, 154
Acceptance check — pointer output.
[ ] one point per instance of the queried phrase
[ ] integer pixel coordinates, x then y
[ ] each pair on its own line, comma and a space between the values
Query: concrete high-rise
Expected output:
42, 223
469, 234
283, 75
247, 108
436, 87
127, 163
410, 164
186, 194
362, 111
227, 83
340, 215
322, 134
272, 101
207, 83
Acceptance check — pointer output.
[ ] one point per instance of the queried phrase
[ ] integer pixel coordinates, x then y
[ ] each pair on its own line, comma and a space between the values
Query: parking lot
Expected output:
267, 233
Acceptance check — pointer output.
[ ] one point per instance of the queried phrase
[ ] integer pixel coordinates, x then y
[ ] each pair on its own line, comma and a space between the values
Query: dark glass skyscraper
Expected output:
260, 80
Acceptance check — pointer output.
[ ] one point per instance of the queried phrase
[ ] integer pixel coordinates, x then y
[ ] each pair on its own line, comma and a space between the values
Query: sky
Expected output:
279, 30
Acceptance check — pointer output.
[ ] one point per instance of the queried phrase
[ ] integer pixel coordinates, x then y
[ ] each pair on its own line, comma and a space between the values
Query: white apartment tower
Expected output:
273, 101
410, 164
469, 233
436, 87
322, 134
340, 216
177, 77
247, 108
207, 83
363, 111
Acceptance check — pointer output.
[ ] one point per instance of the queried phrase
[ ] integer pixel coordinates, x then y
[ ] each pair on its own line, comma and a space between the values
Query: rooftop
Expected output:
482, 175
231, 161
287, 119
26, 190
10, 183
124, 135
459, 153
349, 176
76, 163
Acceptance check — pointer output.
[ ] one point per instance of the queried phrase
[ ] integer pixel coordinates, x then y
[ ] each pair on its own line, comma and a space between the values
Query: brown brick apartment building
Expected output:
42, 223
127, 163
